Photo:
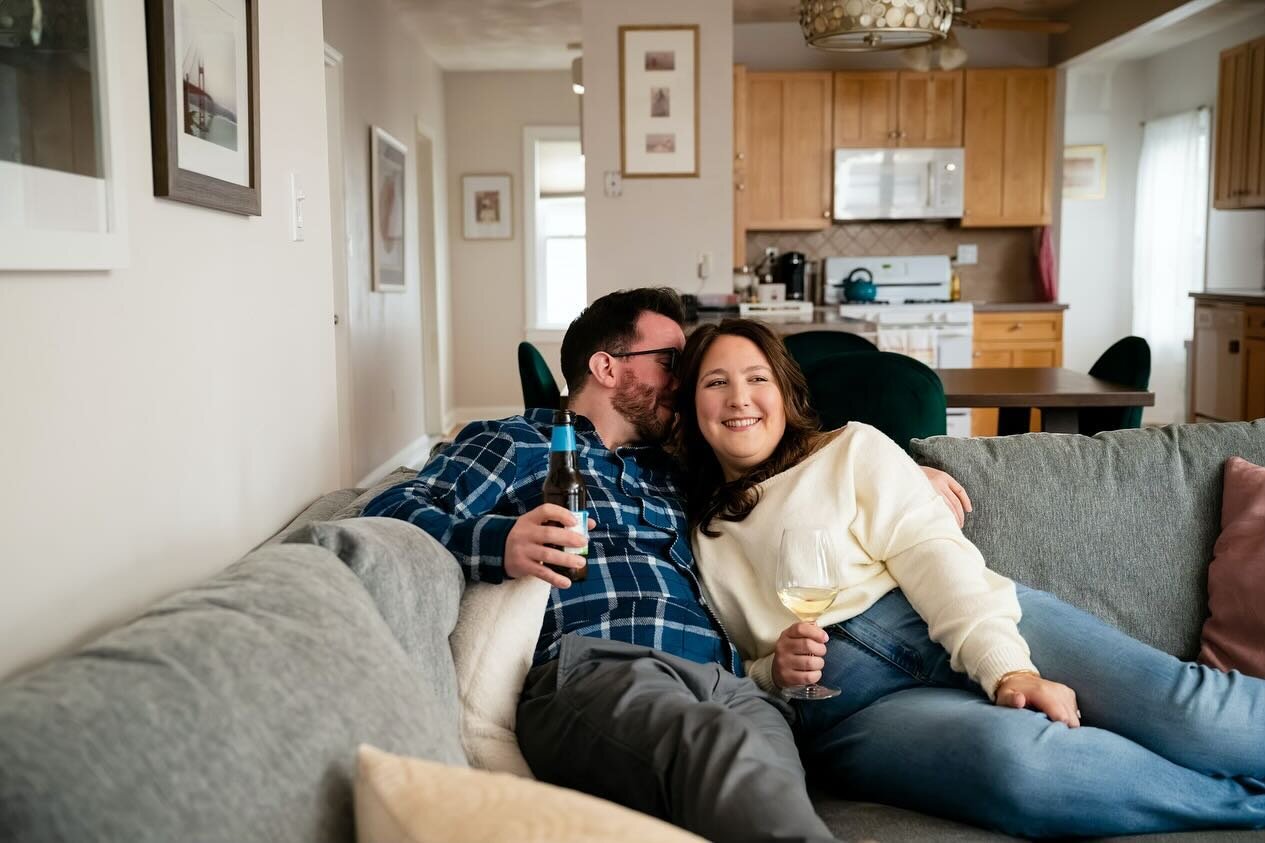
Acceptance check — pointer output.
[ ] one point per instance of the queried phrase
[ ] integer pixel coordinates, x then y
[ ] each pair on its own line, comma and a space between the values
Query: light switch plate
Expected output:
296, 208
968, 253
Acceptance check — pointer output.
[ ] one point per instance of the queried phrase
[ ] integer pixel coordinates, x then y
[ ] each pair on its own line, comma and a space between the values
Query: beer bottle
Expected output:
565, 486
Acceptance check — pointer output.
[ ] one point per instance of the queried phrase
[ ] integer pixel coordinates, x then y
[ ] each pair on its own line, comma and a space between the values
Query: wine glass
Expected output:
807, 583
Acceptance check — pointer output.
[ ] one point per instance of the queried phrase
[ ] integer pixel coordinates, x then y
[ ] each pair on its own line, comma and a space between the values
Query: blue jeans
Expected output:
1165, 745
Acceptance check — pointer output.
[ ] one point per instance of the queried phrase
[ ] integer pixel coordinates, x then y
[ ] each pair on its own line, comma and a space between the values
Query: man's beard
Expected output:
638, 403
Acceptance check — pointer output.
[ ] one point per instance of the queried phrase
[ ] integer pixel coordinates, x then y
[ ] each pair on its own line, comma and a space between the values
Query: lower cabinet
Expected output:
1014, 341
1227, 369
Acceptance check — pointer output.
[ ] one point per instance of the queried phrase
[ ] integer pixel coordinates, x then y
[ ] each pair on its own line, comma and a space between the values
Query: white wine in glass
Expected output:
807, 583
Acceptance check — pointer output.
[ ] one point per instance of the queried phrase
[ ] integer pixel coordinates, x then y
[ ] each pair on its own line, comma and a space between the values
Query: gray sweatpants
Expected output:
688, 743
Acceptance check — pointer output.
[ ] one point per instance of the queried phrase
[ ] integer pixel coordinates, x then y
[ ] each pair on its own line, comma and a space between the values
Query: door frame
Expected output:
429, 215
335, 128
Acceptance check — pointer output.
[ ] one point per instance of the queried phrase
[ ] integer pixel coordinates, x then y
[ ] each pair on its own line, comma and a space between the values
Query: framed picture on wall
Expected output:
61, 141
204, 101
658, 101
387, 163
486, 210
1085, 172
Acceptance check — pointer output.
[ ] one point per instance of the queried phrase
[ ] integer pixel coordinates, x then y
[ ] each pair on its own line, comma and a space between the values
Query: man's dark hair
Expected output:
610, 324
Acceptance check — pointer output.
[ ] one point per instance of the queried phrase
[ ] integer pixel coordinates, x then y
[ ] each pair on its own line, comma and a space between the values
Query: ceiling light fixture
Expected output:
869, 25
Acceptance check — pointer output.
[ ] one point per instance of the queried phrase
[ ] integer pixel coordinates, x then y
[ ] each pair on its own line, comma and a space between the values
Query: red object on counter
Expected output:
1047, 269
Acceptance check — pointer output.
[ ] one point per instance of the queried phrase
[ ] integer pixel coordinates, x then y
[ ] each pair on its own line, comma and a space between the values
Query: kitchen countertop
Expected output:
825, 318
1016, 307
1232, 296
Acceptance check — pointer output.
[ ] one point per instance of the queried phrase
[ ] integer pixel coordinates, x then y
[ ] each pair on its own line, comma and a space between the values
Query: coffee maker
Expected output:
790, 272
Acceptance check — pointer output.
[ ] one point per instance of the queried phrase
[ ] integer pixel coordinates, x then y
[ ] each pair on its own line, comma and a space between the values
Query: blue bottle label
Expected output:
563, 438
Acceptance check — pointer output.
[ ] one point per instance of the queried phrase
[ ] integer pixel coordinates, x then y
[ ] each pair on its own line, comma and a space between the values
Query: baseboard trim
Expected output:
413, 454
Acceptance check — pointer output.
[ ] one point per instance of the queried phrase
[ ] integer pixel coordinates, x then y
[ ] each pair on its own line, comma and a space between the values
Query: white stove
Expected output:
912, 314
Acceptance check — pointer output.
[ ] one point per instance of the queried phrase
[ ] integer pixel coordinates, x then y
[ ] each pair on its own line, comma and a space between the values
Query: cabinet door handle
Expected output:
1015, 327
1234, 346
826, 213
742, 156
742, 187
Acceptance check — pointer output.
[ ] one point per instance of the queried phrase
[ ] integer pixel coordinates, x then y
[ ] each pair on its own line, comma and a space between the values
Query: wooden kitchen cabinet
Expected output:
1239, 148
1014, 341
895, 109
1007, 133
789, 160
1228, 359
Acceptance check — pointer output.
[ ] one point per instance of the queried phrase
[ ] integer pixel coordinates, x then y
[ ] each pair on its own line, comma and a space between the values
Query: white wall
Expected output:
1186, 78
389, 82
160, 420
655, 232
1104, 106
486, 116
780, 46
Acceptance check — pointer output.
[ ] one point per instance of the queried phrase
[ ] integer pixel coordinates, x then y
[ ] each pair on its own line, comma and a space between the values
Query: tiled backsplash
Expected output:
1006, 271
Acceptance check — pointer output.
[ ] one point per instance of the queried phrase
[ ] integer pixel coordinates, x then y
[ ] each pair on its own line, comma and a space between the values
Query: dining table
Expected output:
1060, 394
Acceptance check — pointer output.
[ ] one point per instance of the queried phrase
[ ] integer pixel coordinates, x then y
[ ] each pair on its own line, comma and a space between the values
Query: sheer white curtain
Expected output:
1169, 239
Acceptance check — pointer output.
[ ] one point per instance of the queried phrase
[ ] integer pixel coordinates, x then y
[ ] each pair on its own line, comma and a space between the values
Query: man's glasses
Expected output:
669, 363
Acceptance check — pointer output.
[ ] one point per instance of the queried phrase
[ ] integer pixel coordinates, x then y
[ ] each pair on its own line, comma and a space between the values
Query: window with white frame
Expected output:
555, 248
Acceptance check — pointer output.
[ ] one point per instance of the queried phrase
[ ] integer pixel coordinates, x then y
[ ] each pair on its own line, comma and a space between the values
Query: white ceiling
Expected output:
533, 34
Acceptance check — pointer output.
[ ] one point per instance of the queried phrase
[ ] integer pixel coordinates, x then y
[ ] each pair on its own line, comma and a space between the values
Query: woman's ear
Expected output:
602, 369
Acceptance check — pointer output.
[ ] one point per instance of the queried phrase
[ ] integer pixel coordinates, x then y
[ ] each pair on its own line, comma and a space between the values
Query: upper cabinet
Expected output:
788, 152
1008, 140
1239, 163
893, 109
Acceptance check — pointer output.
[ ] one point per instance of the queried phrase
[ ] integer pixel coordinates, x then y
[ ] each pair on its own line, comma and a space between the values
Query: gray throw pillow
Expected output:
413, 580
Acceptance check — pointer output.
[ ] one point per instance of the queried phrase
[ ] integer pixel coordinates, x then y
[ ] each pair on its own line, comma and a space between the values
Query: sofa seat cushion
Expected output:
230, 711
1121, 524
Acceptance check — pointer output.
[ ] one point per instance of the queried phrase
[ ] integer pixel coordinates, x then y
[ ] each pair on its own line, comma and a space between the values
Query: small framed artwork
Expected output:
1085, 172
62, 203
388, 158
486, 207
204, 101
658, 101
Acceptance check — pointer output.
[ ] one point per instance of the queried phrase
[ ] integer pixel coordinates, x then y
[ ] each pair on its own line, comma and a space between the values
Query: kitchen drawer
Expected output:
1018, 326
1254, 322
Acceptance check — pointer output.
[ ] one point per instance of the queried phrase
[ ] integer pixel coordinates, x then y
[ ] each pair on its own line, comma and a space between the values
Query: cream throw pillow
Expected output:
407, 800
492, 647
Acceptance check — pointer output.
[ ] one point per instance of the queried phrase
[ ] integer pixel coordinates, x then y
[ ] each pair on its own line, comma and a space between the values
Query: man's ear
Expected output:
602, 369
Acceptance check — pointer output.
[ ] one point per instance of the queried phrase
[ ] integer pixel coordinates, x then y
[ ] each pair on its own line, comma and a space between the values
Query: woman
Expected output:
963, 692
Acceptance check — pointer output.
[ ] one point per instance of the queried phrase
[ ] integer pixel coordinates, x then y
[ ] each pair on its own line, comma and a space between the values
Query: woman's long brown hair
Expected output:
708, 496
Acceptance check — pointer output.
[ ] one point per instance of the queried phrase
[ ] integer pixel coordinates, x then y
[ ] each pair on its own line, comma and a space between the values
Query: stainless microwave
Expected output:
894, 184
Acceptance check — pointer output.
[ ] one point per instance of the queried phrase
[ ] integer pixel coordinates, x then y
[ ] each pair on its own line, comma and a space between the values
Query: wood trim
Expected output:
170, 180
623, 139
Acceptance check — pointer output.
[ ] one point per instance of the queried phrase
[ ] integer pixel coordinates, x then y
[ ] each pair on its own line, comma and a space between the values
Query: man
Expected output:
636, 692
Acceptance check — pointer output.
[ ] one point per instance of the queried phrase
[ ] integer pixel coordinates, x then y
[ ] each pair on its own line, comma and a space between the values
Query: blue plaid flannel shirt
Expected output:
642, 586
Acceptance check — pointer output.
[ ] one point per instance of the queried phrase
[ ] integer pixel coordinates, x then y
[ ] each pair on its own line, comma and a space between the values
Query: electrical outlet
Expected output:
968, 253
613, 186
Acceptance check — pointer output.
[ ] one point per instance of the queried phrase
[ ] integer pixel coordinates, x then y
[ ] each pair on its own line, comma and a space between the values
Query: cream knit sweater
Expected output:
890, 529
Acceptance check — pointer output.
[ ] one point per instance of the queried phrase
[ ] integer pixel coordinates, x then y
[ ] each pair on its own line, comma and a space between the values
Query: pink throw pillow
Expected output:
1234, 634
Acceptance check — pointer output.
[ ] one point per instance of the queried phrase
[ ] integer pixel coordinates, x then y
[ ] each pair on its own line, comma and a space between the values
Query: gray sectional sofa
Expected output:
231, 711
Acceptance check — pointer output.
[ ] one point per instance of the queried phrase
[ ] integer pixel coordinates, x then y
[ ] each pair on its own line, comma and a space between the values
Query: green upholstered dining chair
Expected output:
539, 387
807, 347
1126, 362
897, 394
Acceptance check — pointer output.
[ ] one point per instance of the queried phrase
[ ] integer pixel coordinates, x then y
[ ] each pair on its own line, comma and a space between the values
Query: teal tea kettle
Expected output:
859, 289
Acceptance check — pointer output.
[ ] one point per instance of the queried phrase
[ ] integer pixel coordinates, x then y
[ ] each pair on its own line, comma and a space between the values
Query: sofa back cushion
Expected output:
230, 711
1121, 524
